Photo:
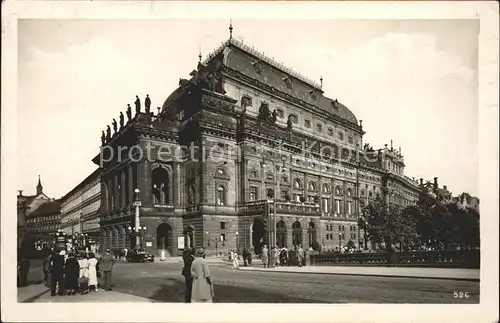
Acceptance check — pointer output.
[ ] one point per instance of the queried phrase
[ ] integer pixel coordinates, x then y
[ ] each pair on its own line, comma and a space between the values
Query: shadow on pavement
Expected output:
174, 292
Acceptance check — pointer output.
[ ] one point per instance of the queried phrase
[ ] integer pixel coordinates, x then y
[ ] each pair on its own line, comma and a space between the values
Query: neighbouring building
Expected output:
80, 212
27, 204
465, 200
442, 194
252, 129
43, 223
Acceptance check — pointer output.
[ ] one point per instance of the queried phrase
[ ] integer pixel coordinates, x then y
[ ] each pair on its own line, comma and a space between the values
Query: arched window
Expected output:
312, 186
221, 195
297, 184
191, 194
281, 234
338, 190
349, 192
161, 183
326, 188
296, 233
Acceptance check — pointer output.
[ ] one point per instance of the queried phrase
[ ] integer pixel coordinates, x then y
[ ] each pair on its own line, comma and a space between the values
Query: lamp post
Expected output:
340, 241
137, 204
237, 244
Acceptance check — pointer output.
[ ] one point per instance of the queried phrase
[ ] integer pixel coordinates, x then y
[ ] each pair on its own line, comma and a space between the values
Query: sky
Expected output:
412, 81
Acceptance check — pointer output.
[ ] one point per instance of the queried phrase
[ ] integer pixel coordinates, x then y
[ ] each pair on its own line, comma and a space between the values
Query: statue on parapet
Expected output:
289, 123
137, 105
129, 112
108, 133
147, 104
115, 126
122, 121
103, 138
274, 116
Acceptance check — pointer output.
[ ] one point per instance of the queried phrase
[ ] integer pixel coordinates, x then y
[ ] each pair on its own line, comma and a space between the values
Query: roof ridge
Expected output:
263, 57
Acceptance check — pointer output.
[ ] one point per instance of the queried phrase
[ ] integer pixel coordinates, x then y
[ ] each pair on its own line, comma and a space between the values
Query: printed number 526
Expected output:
461, 295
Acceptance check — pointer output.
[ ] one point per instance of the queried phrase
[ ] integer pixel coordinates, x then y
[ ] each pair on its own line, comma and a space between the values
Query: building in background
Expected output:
442, 194
27, 204
80, 212
43, 223
465, 200
272, 133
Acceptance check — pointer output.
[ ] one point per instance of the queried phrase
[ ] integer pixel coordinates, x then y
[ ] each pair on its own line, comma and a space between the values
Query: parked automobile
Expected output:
140, 256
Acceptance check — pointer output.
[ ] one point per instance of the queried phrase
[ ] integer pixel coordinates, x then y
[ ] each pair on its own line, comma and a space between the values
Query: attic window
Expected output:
280, 113
288, 81
246, 101
258, 68
313, 94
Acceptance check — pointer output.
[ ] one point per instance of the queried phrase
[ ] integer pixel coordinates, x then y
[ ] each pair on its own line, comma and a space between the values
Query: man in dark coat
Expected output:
57, 274
71, 272
106, 265
188, 258
23, 269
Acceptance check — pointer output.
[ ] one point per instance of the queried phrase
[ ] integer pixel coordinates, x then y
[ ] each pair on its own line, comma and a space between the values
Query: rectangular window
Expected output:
330, 131
223, 225
284, 194
222, 237
310, 199
293, 118
307, 123
325, 205
253, 174
253, 193
350, 140
337, 206
296, 197
319, 127
349, 203
280, 113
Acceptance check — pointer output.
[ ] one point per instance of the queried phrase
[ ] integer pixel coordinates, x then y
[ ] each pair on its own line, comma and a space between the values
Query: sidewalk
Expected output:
403, 272
38, 293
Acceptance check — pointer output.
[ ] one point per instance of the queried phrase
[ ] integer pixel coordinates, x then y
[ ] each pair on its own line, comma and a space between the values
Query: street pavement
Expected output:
162, 282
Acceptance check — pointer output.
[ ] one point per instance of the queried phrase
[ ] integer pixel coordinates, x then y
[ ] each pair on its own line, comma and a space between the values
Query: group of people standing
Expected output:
280, 256
198, 279
71, 274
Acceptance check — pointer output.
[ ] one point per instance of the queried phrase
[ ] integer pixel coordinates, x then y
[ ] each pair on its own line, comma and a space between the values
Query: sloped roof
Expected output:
243, 59
48, 208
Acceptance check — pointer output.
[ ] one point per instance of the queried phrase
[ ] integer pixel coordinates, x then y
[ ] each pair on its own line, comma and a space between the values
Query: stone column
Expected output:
123, 190
131, 187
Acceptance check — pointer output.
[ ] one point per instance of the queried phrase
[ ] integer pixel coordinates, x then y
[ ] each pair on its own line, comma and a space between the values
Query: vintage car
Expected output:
140, 256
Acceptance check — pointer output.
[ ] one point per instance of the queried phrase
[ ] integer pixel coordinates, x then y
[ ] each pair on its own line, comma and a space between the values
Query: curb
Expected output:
369, 275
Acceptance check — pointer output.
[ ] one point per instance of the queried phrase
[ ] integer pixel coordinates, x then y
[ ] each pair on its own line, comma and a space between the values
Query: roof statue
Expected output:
103, 138
147, 104
108, 133
114, 125
129, 112
137, 105
121, 119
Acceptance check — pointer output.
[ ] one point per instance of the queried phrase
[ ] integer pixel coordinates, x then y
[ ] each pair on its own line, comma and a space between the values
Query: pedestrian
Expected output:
249, 256
83, 280
57, 273
71, 273
23, 268
93, 283
276, 256
236, 264
300, 255
245, 256
46, 270
203, 290
265, 254
106, 264
188, 258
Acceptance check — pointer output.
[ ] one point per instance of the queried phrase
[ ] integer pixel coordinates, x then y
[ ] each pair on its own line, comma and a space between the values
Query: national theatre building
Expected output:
243, 153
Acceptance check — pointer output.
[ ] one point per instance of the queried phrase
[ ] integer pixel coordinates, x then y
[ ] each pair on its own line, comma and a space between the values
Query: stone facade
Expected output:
240, 131
80, 211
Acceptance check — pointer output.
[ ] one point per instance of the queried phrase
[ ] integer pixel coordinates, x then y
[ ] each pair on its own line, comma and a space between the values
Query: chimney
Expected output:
20, 192
436, 183
421, 181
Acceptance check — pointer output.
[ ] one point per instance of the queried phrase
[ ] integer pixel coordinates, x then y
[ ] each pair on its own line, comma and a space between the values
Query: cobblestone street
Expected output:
162, 282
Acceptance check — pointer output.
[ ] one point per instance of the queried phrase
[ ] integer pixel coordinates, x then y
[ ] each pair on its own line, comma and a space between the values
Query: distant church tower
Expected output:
39, 187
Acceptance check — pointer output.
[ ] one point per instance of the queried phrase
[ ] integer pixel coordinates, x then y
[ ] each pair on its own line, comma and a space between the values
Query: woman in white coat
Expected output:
84, 274
92, 272
203, 290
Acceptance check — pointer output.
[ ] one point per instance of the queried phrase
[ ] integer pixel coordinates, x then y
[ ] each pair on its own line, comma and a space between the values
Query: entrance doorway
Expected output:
189, 237
258, 235
164, 238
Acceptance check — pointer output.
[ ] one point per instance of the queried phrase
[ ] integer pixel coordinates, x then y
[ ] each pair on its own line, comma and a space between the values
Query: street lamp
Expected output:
340, 241
137, 204
237, 246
